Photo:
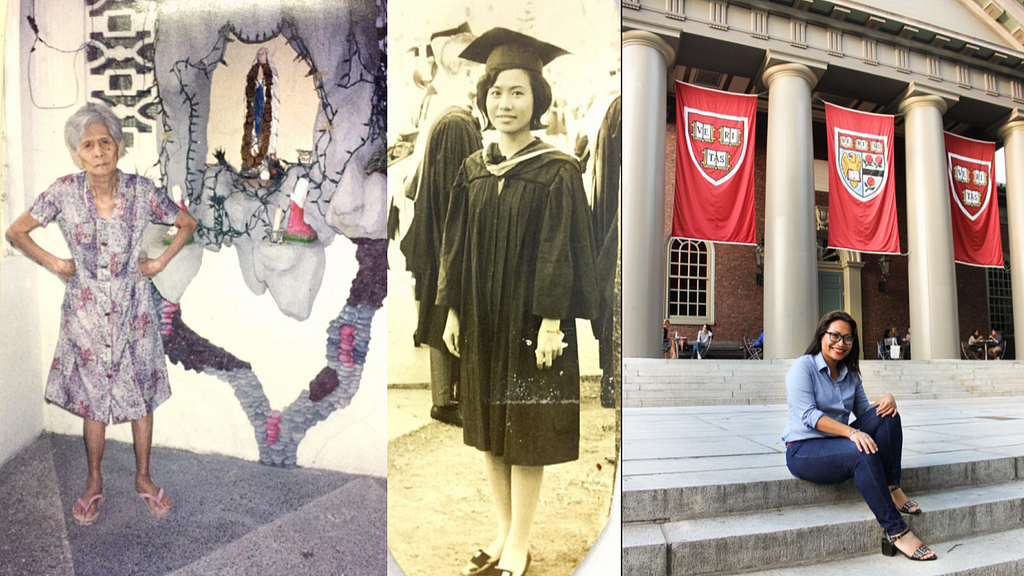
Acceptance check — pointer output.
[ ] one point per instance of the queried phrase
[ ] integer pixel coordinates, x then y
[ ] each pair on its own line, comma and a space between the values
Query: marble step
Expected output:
999, 554
784, 537
662, 490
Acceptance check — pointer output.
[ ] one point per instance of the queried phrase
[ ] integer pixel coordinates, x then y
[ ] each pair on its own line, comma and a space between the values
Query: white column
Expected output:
934, 317
791, 255
645, 61
1013, 139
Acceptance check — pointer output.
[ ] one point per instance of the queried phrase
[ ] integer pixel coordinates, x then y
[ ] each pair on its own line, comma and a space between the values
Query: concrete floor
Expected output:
230, 516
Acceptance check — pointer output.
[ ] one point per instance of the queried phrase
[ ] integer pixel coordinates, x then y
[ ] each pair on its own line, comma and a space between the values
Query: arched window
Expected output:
691, 282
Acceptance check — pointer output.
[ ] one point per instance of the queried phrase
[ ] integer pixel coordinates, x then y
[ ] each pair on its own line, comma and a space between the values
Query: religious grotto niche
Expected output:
279, 213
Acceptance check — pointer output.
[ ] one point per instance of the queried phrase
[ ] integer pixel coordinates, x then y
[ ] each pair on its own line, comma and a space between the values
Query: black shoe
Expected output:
447, 414
480, 564
889, 548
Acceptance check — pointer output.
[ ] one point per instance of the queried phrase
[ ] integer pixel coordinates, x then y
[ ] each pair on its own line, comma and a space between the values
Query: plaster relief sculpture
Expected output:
245, 207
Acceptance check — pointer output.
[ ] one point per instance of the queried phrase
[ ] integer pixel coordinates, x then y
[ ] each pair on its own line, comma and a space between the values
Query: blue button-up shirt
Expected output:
811, 393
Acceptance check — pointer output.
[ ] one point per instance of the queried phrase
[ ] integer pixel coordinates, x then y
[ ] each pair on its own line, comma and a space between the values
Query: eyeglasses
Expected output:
836, 337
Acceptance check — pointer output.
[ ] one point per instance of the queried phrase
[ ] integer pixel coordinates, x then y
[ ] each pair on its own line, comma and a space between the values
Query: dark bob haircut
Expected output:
852, 360
541, 95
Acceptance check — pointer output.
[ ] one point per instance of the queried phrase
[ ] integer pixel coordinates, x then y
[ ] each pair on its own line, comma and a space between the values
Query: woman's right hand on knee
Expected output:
865, 443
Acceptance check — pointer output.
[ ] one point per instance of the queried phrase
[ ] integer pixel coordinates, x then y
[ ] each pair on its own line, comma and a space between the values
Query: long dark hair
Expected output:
852, 360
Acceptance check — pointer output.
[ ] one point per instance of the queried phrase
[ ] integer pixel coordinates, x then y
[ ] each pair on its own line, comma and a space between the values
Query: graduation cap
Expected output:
440, 38
504, 49
460, 29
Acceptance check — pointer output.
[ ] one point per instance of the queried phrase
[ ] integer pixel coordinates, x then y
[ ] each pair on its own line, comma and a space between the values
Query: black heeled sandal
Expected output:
889, 548
481, 563
910, 503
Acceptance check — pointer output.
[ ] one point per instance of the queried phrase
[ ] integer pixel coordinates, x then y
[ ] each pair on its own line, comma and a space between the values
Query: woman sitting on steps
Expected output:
823, 387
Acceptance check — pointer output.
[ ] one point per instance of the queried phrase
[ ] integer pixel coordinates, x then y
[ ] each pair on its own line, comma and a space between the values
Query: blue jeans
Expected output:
835, 460
696, 349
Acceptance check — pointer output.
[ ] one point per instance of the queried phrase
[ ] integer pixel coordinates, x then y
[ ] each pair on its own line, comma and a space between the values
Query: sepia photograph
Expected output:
504, 146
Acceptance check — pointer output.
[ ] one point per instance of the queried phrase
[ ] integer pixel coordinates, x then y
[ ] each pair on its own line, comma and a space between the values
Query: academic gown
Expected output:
607, 172
518, 247
453, 138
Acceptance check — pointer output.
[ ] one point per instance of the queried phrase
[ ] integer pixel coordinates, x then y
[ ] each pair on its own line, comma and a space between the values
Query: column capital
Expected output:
644, 38
778, 64
1013, 123
918, 95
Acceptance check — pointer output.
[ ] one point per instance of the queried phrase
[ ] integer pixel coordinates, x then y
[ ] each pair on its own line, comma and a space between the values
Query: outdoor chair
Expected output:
881, 351
968, 353
753, 353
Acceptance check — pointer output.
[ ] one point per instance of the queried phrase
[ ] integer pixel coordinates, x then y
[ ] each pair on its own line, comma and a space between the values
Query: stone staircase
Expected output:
706, 492
656, 382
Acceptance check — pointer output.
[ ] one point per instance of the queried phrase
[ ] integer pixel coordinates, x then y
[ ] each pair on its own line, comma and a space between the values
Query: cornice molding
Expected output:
871, 31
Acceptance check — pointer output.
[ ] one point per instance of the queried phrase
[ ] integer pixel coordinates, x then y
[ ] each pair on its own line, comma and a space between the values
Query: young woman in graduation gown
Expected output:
517, 269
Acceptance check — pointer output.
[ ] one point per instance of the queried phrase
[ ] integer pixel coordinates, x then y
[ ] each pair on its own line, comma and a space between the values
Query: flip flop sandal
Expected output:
86, 520
159, 498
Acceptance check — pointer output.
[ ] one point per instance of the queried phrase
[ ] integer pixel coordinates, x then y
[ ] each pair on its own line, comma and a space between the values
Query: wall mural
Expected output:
159, 62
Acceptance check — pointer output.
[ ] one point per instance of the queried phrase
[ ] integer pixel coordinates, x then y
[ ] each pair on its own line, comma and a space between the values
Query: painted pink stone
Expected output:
347, 344
272, 426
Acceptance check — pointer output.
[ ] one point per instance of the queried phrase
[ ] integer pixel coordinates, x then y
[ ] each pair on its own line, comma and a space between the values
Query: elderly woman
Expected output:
823, 388
517, 269
109, 363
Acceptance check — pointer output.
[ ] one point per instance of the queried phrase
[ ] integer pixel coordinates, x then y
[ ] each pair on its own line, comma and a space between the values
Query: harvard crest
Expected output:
970, 184
862, 162
717, 143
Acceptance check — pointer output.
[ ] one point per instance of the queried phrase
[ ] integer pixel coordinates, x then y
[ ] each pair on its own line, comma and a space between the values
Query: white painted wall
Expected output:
21, 401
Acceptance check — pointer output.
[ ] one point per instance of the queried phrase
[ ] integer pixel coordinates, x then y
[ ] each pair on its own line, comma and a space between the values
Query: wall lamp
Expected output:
885, 262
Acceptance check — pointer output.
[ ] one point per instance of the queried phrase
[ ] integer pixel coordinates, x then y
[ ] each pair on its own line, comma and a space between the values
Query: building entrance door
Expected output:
830, 292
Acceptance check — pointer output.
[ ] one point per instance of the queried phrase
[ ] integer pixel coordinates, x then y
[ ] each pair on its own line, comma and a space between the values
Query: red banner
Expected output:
861, 181
714, 165
970, 165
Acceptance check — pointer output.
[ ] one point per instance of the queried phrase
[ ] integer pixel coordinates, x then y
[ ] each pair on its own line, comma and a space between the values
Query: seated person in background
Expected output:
995, 344
665, 343
702, 341
891, 338
906, 345
976, 342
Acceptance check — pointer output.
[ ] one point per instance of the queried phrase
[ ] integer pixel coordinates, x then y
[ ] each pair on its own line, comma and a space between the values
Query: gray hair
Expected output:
450, 50
88, 115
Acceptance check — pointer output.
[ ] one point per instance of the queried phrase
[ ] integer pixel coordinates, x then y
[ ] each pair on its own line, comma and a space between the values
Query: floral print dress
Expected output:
109, 363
